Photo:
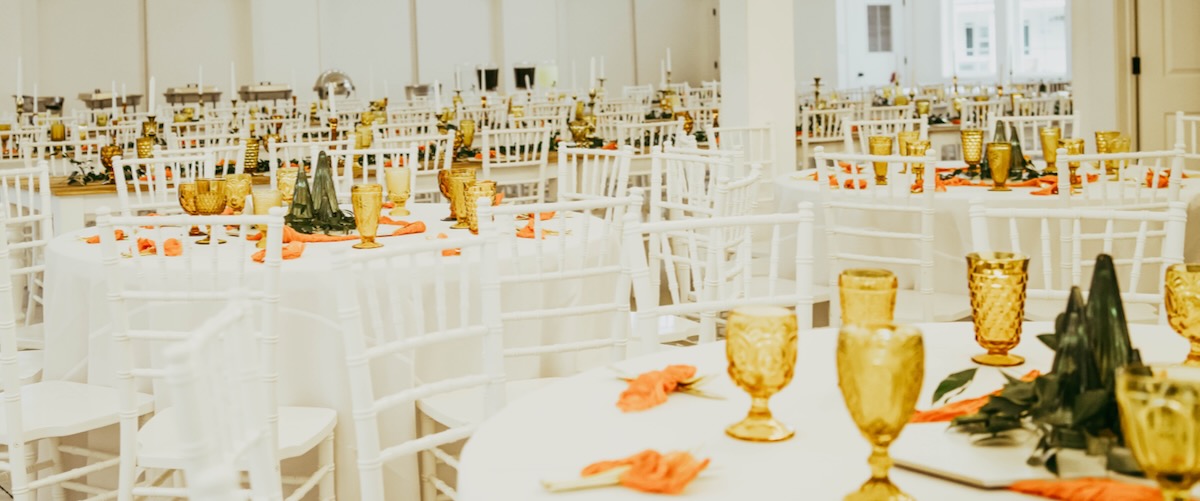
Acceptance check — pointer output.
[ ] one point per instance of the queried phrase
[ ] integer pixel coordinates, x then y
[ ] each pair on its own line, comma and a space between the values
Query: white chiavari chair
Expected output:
222, 419
686, 184
65, 157
1147, 179
516, 159
433, 154
198, 133
493, 116
45, 412
155, 301
754, 142
388, 323
977, 114
287, 153
1027, 129
371, 163
715, 256
199, 141
1187, 137
1036, 106
227, 159
125, 132
630, 106
821, 126
155, 181
1143, 243
639, 93
884, 226
321, 134
864, 129
648, 137
902, 112
590, 173
415, 116
28, 223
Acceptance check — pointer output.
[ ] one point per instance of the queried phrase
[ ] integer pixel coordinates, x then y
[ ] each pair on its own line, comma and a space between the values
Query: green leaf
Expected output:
956, 381
1020, 392
1050, 340
1004, 406
1091, 403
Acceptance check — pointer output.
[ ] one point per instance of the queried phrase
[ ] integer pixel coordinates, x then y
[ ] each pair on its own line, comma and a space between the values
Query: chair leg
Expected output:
428, 463
56, 491
327, 490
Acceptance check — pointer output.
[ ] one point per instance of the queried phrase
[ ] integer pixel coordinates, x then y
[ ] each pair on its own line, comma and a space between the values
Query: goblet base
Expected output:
880, 181
449, 218
399, 211
262, 242
461, 225
998, 359
207, 240
195, 232
1000, 188
368, 245
878, 490
760, 429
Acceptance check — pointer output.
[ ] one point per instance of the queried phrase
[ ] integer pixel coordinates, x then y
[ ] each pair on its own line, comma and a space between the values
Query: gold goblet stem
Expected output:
761, 348
1182, 304
997, 282
972, 147
398, 183
867, 295
999, 160
880, 145
263, 202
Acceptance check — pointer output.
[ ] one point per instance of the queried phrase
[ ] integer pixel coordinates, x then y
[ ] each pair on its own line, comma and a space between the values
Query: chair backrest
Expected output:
10, 376
685, 184
321, 134
156, 299
65, 157
977, 114
29, 221
372, 162
590, 173
433, 154
494, 116
822, 126
282, 154
708, 263
854, 175
645, 138
203, 140
885, 227
1156, 176
1143, 244
575, 255
901, 112
155, 181
639, 93
516, 159
397, 300
1038, 106
1187, 137
198, 133
864, 129
755, 143
1027, 129
392, 131
223, 423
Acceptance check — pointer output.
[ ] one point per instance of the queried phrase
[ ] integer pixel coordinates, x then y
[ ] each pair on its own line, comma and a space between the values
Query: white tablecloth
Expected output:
952, 241
312, 369
553, 433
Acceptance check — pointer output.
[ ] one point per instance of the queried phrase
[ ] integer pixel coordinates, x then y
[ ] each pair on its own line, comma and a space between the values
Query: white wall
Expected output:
815, 42
185, 35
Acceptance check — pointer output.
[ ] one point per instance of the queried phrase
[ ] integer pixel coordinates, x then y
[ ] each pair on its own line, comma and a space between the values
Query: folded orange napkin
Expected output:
1087, 489
407, 228
389, 205
291, 250
1164, 179
449, 252
652, 471
650, 389
95, 239
171, 247
291, 235
962, 407
611, 145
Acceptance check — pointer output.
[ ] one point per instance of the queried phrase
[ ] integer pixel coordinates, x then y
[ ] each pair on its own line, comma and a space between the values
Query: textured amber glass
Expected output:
880, 145
918, 148
1182, 303
285, 181
867, 295
237, 187
1160, 415
760, 344
880, 371
1050, 138
972, 148
1074, 147
367, 200
903, 139
997, 282
399, 180
480, 189
1104, 145
460, 178
999, 157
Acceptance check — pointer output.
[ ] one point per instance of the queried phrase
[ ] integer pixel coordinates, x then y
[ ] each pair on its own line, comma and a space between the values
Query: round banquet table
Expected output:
311, 364
553, 433
952, 239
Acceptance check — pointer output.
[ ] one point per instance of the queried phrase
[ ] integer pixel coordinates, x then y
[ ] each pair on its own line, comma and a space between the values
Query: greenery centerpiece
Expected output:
1074, 405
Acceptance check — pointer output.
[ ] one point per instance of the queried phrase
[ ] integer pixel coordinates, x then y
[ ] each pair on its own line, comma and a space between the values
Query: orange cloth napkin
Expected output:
291, 235
95, 239
171, 247
1087, 489
528, 231
650, 389
291, 250
962, 407
1163, 181
652, 471
389, 205
449, 252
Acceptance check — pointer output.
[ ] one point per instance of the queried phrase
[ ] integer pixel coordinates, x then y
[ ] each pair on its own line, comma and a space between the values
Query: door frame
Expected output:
902, 19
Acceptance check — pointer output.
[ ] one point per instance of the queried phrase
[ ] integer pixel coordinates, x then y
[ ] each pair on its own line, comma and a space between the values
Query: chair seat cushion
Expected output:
63, 408
300, 429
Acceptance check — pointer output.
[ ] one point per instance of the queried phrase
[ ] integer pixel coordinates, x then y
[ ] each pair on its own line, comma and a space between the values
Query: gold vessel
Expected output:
187, 202
867, 295
1074, 147
263, 201
997, 283
367, 200
1160, 416
460, 179
760, 346
210, 201
999, 157
880, 145
285, 181
1051, 136
480, 189
918, 149
237, 187
399, 182
972, 149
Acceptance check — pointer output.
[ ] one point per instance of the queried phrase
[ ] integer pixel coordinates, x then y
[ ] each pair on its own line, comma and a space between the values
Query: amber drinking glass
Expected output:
903, 139
867, 295
760, 345
367, 200
918, 148
997, 283
880, 371
210, 201
972, 148
1074, 146
999, 157
1182, 303
1050, 138
1160, 415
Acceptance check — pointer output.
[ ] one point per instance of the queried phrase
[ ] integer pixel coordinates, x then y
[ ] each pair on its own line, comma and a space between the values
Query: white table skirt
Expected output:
312, 369
555, 432
952, 239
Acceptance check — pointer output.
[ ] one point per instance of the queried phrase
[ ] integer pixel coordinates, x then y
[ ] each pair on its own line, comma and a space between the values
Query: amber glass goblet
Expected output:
263, 201
460, 179
1050, 138
997, 283
867, 295
1160, 416
760, 345
903, 139
918, 148
880, 145
1103, 145
1182, 303
1074, 147
999, 157
972, 148
443, 180
880, 371
210, 201
367, 200
285, 181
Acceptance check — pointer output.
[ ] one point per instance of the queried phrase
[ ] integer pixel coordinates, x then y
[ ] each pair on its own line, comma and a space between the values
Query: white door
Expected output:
1170, 68
874, 41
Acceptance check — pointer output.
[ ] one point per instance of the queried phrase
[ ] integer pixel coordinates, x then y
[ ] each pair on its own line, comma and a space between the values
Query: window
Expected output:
994, 39
879, 28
